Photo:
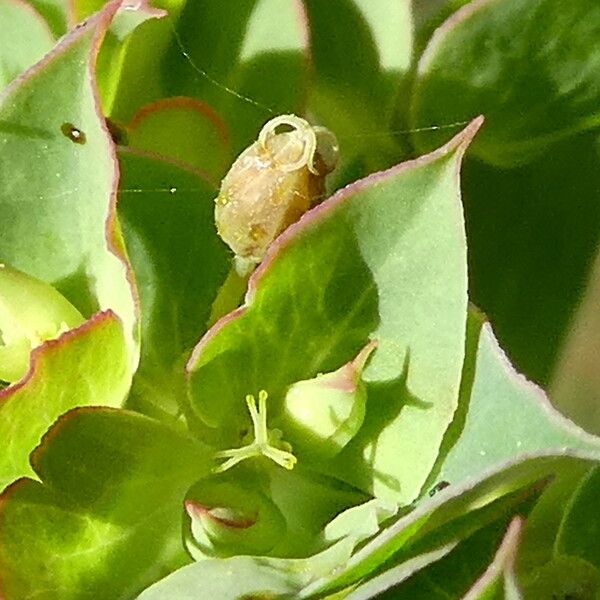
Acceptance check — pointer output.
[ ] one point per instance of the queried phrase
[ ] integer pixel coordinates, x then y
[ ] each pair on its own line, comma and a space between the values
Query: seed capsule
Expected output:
323, 414
272, 184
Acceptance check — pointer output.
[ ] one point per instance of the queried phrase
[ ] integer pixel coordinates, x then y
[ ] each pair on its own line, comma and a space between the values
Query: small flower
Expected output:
266, 443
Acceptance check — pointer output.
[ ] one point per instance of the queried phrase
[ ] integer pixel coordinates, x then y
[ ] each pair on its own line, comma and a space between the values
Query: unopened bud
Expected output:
226, 518
323, 414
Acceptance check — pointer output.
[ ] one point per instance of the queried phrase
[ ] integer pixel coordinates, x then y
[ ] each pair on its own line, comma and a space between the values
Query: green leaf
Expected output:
575, 384
535, 443
501, 399
498, 582
184, 130
31, 312
86, 366
391, 26
246, 58
375, 261
25, 37
446, 572
179, 262
356, 77
57, 182
113, 59
145, 52
225, 579
106, 520
531, 288
530, 66
543, 522
452, 514
579, 531
57, 14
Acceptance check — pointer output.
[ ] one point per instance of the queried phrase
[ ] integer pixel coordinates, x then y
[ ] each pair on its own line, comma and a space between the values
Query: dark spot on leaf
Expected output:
75, 135
117, 132
438, 487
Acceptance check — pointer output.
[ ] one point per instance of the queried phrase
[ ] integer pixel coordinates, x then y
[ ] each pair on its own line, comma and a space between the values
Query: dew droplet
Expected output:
73, 133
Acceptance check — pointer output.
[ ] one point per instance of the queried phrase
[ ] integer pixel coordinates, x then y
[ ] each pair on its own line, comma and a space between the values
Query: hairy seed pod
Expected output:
272, 184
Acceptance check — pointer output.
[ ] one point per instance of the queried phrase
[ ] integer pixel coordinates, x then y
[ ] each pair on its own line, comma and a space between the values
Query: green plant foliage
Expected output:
86, 366
336, 420
26, 37
107, 515
282, 318
184, 130
64, 199
530, 66
179, 264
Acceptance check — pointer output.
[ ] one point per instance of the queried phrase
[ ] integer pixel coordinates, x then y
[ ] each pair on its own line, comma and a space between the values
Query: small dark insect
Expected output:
438, 487
75, 135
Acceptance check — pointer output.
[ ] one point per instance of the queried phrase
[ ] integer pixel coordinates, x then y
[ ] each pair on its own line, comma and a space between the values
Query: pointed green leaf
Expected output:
501, 399
58, 176
85, 366
383, 259
530, 66
106, 520
477, 465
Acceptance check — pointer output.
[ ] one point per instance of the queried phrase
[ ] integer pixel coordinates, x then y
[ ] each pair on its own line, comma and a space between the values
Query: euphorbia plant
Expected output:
313, 409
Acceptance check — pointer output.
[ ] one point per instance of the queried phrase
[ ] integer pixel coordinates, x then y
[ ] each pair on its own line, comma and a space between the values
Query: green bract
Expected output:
292, 392
31, 312
326, 412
